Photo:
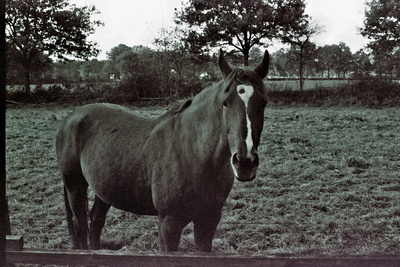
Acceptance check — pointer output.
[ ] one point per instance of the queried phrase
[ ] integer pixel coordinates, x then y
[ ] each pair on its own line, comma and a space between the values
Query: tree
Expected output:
182, 60
174, 54
241, 24
279, 64
344, 60
114, 56
48, 29
326, 58
362, 64
298, 36
137, 70
329, 54
93, 71
382, 24
382, 27
173, 48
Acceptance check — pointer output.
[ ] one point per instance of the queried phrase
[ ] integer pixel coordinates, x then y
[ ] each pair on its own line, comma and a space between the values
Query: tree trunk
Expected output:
246, 59
27, 80
301, 69
246, 52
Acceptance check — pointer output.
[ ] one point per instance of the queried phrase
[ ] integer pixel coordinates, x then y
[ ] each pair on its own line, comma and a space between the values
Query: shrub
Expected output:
120, 93
186, 86
53, 94
367, 92
19, 96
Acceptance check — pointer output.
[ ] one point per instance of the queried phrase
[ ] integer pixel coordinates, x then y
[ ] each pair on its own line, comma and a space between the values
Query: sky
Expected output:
139, 22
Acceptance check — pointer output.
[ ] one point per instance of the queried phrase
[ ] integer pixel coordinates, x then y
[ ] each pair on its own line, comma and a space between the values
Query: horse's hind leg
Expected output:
97, 218
76, 208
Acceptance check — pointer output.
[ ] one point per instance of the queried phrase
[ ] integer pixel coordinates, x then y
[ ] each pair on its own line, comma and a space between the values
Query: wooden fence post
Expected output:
4, 221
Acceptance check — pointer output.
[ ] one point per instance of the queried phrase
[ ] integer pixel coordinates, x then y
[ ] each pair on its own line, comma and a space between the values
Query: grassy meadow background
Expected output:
328, 181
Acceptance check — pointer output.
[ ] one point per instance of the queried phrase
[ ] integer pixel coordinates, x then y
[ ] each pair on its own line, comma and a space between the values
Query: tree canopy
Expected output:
382, 24
38, 30
239, 24
382, 27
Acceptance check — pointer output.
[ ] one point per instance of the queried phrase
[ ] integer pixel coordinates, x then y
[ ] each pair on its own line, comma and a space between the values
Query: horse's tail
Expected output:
69, 213
79, 238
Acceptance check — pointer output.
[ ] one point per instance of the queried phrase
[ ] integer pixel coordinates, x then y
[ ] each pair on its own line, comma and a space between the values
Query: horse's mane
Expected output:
237, 75
177, 108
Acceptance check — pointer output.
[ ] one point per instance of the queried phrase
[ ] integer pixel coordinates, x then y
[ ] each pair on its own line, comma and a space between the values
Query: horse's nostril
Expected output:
256, 160
235, 159
244, 161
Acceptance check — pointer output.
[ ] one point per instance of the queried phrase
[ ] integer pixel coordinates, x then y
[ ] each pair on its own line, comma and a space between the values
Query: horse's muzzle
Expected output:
245, 168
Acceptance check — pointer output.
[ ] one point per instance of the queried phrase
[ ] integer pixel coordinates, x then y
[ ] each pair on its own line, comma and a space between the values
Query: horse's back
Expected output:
82, 125
102, 143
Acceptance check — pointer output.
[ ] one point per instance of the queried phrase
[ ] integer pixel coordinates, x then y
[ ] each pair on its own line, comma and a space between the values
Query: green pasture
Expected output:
328, 184
309, 84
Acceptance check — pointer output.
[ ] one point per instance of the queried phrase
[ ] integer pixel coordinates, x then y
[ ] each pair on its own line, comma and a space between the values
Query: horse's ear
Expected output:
262, 69
223, 65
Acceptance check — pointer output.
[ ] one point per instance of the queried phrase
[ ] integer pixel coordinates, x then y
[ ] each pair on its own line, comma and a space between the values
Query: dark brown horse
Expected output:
180, 166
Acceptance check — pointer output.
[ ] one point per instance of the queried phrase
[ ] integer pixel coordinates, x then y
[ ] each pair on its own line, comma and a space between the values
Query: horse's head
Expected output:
243, 102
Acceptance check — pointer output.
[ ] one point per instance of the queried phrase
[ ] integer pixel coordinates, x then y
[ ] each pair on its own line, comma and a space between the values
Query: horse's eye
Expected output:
224, 103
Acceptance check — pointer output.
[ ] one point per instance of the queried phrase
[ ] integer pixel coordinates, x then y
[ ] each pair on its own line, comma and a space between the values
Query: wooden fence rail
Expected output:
125, 258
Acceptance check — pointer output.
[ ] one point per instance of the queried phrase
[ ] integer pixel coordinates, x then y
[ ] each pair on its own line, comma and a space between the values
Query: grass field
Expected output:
308, 84
328, 184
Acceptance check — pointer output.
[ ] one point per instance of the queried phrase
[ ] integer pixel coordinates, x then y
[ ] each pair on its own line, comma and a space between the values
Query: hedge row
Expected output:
370, 93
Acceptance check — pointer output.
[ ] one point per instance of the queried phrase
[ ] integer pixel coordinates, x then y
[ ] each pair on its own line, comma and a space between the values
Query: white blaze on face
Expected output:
245, 92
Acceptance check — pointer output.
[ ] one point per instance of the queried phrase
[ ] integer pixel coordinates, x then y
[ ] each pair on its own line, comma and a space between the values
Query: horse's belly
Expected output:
115, 173
140, 208
125, 191
136, 200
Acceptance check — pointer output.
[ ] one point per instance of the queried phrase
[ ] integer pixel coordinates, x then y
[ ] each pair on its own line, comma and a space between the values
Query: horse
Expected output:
179, 166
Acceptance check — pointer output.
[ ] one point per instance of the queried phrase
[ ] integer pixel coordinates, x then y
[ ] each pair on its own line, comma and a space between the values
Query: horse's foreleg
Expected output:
204, 230
169, 232
97, 220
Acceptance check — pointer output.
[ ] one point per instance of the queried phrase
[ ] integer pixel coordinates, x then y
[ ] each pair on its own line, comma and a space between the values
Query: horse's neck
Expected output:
203, 118
206, 108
